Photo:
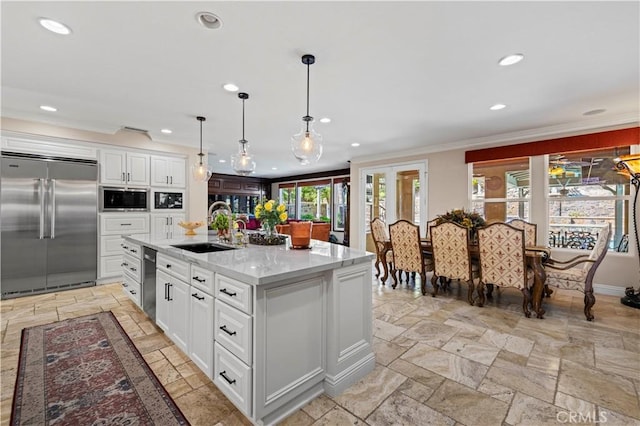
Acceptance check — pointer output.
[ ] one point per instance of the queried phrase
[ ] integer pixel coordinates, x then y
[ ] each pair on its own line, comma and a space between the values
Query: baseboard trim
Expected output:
609, 290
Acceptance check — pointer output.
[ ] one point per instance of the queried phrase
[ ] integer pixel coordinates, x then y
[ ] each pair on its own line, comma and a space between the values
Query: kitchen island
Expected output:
273, 327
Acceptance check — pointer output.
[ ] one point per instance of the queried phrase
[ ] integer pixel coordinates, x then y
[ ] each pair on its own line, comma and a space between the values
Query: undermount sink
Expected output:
203, 247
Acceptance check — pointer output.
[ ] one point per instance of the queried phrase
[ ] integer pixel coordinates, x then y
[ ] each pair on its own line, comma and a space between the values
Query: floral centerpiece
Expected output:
471, 220
271, 214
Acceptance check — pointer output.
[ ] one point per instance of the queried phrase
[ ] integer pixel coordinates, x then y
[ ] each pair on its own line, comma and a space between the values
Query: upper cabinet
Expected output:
124, 168
168, 171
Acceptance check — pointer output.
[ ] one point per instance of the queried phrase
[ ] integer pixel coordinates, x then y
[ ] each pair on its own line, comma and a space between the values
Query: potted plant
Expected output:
221, 224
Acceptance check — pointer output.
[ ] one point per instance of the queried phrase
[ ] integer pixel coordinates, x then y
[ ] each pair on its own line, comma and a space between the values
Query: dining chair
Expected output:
451, 257
381, 243
430, 224
407, 252
503, 262
577, 273
530, 238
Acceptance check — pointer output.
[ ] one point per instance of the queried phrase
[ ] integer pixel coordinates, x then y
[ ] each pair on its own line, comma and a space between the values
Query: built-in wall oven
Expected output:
170, 199
114, 199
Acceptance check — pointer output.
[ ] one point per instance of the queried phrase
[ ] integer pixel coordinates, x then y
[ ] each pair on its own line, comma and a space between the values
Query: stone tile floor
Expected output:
439, 360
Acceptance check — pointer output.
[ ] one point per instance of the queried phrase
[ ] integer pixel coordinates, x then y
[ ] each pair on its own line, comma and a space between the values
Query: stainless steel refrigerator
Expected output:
48, 224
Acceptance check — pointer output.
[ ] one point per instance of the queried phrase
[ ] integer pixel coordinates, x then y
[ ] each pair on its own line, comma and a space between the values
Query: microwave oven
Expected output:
167, 200
123, 199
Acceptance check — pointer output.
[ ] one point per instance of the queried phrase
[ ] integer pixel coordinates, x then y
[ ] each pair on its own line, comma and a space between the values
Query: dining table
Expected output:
534, 256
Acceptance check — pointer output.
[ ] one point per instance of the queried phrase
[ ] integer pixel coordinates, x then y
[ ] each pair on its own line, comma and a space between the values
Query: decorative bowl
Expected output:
190, 226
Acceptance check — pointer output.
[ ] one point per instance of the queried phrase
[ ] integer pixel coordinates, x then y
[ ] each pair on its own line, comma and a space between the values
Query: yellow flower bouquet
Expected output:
271, 214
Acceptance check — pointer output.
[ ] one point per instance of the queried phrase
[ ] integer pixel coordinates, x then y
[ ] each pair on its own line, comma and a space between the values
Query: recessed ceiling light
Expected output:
48, 108
355, 144
222, 161
209, 20
274, 168
166, 131
594, 111
54, 26
496, 107
325, 120
230, 87
511, 59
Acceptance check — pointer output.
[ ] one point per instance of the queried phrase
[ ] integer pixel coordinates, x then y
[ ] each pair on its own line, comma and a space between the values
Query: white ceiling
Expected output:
392, 76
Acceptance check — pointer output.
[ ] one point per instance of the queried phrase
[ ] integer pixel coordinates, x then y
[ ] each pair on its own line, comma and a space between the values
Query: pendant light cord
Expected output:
243, 139
200, 154
308, 96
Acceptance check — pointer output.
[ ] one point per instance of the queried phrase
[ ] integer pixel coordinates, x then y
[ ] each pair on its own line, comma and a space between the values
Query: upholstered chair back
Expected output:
530, 230
430, 224
450, 245
379, 235
502, 257
407, 252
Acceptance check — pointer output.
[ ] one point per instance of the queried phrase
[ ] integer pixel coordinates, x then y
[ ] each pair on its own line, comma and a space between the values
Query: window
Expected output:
500, 189
315, 200
340, 191
585, 192
287, 196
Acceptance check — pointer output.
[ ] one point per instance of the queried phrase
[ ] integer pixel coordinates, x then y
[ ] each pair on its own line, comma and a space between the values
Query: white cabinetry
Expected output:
132, 271
168, 171
112, 227
164, 225
201, 330
124, 168
172, 300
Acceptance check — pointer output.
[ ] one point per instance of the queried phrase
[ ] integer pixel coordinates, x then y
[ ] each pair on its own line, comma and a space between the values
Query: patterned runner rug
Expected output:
86, 371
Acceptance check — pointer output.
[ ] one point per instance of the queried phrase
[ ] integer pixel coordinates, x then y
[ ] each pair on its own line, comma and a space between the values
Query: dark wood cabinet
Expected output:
242, 193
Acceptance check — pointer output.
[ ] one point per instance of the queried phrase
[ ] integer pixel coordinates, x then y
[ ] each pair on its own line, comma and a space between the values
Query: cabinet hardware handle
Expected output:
128, 177
123, 177
224, 328
224, 376
125, 247
225, 291
125, 224
170, 298
167, 179
133, 269
198, 297
132, 291
125, 285
168, 265
171, 180
197, 278
166, 291
124, 264
134, 251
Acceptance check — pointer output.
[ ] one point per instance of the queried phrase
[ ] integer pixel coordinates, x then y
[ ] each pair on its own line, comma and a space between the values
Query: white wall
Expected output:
197, 199
447, 188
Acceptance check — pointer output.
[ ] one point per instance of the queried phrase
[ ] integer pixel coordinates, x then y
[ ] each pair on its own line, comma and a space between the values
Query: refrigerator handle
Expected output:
41, 195
53, 209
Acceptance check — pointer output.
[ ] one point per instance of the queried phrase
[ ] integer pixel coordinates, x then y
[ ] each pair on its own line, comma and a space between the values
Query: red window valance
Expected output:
611, 138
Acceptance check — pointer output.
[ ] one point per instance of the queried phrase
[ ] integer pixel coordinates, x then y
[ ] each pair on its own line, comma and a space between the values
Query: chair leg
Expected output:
423, 282
589, 301
470, 292
377, 264
480, 293
489, 290
394, 274
547, 291
526, 300
434, 284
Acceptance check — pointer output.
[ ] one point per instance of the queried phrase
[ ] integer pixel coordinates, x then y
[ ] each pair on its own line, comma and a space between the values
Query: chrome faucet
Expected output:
225, 210
240, 234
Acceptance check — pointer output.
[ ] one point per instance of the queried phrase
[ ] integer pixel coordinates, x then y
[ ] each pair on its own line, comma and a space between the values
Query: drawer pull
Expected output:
198, 297
225, 291
124, 264
125, 247
125, 224
132, 291
224, 328
200, 280
133, 269
168, 266
224, 376
134, 251
125, 285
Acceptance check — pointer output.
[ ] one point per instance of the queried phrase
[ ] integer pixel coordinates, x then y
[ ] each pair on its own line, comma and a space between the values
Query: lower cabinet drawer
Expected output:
133, 266
173, 266
111, 266
131, 288
233, 330
233, 378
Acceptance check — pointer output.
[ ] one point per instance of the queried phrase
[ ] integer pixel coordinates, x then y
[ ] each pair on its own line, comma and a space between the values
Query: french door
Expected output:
393, 193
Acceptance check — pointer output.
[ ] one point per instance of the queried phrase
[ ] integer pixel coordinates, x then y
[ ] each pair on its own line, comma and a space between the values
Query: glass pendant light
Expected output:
199, 170
242, 162
307, 145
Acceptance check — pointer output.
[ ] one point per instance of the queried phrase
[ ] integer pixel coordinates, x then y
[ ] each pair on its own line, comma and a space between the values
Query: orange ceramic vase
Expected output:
300, 234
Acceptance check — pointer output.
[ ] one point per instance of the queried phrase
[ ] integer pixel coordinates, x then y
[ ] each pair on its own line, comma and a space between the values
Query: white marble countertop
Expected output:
257, 264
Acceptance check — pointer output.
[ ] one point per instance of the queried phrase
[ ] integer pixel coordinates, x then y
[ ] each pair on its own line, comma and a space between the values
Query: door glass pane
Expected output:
408, 196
